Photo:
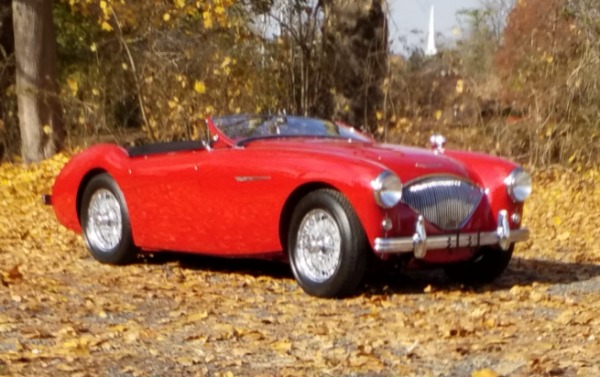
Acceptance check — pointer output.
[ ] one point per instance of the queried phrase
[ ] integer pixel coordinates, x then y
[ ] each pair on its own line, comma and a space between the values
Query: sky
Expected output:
409, 15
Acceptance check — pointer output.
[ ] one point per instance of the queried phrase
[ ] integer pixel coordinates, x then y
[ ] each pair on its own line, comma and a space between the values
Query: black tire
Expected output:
488, 265
121, 249
347, 275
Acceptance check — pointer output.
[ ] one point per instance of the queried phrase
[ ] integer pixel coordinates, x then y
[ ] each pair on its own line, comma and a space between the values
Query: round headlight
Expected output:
387, 189
518, 184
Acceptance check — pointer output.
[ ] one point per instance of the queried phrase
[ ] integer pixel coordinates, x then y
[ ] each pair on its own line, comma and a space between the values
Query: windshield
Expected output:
242, 128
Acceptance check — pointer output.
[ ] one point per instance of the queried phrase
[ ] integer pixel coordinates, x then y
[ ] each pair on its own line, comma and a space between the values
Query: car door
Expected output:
244, 191
163, 200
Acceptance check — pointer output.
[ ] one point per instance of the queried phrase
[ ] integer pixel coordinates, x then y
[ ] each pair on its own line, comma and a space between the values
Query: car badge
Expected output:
421, 165
438, 142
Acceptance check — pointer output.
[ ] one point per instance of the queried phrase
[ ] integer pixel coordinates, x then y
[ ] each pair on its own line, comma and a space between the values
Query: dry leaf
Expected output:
485, 373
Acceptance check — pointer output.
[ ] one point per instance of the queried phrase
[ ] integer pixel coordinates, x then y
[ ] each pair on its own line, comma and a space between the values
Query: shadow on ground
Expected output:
520, 272
242, 266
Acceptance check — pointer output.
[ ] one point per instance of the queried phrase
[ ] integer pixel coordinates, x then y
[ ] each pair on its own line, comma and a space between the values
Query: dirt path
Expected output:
63, 314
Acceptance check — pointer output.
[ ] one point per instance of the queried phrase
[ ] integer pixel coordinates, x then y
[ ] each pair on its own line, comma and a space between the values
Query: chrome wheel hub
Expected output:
105, 223
318, 247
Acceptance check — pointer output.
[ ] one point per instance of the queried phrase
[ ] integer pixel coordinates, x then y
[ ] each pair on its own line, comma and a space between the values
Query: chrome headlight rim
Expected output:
519, 185
387, 189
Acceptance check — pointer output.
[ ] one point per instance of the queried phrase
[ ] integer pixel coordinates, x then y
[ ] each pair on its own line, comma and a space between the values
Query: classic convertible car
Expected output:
318, 194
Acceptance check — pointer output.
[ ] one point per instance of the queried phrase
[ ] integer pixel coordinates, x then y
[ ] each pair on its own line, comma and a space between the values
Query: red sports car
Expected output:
319, 194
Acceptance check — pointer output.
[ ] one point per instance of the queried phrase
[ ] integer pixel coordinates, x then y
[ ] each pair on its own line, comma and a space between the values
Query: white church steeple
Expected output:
430, 49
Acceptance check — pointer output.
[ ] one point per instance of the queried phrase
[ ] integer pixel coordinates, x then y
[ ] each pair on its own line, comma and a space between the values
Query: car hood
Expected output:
408, 163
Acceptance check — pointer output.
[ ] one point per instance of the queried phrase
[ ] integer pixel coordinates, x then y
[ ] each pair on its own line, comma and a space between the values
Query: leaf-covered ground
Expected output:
63, 314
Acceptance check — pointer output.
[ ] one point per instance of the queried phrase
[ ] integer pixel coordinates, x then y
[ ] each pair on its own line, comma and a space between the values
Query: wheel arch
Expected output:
83, 184
291, 203
341, 276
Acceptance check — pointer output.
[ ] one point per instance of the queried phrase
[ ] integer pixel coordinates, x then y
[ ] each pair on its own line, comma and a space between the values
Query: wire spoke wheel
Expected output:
327, 245
105, 223
319, 245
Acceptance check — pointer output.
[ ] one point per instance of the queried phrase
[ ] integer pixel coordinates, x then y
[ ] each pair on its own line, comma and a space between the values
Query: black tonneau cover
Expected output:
158, 148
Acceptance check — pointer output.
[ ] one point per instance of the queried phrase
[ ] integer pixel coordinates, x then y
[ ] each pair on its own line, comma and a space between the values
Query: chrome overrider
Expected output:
419, 243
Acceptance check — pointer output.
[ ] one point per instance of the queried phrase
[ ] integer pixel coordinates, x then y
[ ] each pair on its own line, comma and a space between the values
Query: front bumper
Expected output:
420, 243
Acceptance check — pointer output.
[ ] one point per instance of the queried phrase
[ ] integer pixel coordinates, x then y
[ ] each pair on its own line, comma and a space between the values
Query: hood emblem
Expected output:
437, 142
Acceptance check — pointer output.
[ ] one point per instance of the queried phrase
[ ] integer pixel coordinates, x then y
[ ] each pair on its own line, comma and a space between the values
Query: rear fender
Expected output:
70, 183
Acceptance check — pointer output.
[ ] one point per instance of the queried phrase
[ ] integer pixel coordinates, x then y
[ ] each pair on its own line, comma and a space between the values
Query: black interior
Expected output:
248, 140
158, 148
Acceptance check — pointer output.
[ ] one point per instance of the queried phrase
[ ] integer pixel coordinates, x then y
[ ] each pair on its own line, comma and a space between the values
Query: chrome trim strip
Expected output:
421, 165
450, 241
252, 178
426, 177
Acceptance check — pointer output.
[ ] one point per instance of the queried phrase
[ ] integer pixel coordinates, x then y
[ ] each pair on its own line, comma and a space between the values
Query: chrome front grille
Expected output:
446, 202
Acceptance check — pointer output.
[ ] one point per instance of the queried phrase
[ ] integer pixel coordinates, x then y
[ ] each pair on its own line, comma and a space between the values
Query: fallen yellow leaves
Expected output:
196, 317
282, 346
11, 276
485, 373
62, 313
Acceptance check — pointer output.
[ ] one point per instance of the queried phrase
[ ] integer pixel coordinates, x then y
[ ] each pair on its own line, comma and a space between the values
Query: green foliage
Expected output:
163, 72
355, 46
478, 48
160, 74
74, 33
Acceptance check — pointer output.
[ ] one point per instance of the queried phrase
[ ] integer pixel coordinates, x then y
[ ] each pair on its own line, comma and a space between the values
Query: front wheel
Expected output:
327, 245
489, 264
105, 222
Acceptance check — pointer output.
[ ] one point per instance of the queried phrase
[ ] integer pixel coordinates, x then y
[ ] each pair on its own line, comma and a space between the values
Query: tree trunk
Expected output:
40, 120
355, 45
8, 135
7, 39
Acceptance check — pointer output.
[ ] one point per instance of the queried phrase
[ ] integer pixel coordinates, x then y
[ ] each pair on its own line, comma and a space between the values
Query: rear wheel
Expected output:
489, 264
105, 222
327, 245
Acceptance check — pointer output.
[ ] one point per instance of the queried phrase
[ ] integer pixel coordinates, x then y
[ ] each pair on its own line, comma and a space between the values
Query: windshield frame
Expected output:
267, 127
